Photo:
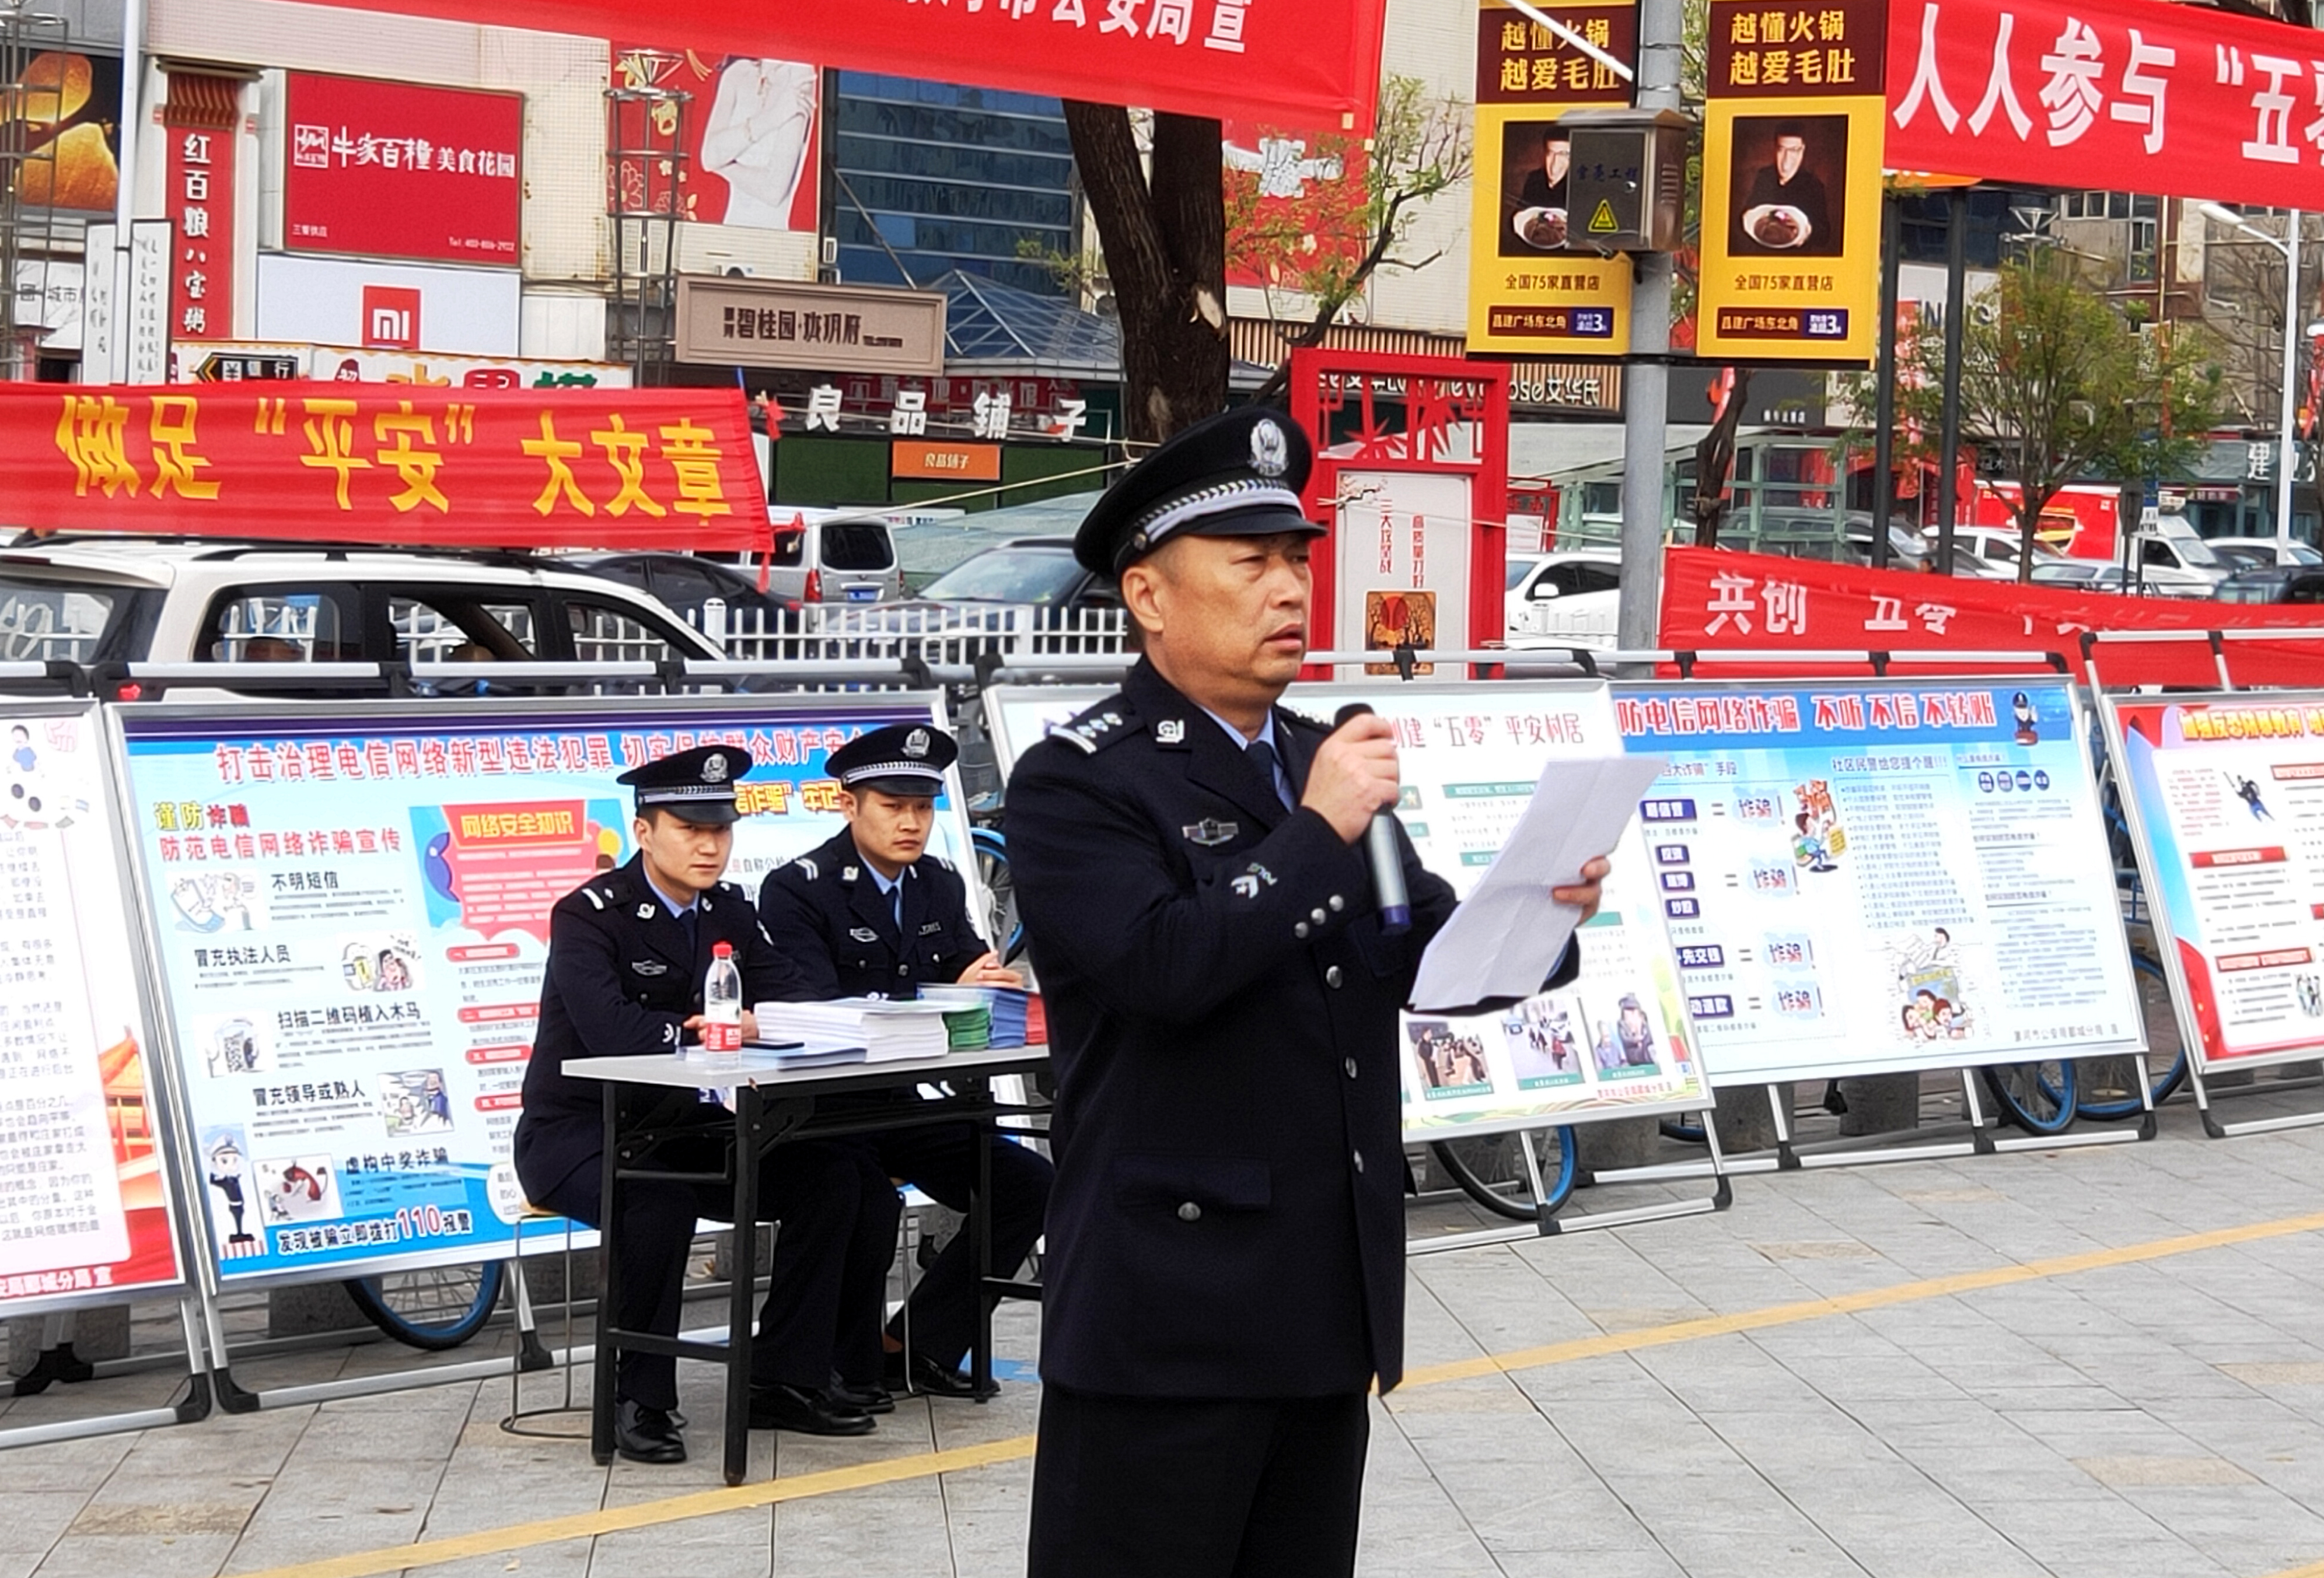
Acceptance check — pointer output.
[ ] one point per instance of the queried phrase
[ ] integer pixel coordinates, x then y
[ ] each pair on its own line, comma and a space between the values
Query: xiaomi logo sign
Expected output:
391, 318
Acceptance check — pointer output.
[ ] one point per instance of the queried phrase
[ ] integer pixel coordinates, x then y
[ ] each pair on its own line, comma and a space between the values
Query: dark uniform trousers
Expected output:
825, 914
1225, 1272
835, 1211
624, 974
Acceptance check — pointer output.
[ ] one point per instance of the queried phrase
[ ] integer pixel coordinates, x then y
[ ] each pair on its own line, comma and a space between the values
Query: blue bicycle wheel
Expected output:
2038, 1097
2112, 1106
1477, 1166
439, 1307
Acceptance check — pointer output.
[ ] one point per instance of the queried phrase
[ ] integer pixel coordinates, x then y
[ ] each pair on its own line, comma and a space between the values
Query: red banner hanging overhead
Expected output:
385, 464
1715, 601
1308, 62
2128, 95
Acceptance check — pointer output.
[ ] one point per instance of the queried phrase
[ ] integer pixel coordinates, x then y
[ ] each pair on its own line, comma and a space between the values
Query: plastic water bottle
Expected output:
722, 1005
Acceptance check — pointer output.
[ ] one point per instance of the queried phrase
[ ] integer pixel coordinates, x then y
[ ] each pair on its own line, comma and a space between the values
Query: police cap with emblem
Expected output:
694, 786
1235, 475
902, 759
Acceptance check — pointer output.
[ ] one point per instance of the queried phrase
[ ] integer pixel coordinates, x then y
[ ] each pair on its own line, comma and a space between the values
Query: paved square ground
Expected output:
2090, 1363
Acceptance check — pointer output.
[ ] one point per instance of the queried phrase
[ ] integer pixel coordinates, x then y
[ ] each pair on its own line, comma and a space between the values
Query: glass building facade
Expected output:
929, 177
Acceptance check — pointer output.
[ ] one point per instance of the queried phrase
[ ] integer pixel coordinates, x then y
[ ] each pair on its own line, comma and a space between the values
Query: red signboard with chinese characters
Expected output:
1716, 601
2130, 96
1411, 479
200, 125
1309, 62
387, 464
392, 169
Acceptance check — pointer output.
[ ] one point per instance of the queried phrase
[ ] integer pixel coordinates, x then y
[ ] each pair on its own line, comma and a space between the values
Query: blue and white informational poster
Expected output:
351, 908
1868, 877
1615, 1043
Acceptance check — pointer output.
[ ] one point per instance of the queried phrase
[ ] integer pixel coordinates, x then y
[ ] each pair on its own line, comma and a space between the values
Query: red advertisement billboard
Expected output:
392, 169
2134, 96
751, 134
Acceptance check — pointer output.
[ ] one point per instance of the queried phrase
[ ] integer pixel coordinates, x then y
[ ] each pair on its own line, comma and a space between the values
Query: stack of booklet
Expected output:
886, 1031
993, 1015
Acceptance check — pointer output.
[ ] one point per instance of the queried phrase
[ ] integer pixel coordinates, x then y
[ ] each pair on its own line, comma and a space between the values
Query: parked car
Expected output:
2175, 561
686, 584
844, 558
2245, 553
2300, 583
1575, 594
1038, 572
2089, 575
1995, 545
92, 600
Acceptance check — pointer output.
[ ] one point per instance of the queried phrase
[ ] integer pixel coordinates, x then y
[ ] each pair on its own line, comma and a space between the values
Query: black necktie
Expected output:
1262, 756
692, 928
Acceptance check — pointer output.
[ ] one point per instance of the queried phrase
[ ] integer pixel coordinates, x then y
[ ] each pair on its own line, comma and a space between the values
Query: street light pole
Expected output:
2284, 446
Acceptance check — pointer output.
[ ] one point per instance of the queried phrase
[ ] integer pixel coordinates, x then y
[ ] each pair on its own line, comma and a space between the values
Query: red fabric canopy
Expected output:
1305, 63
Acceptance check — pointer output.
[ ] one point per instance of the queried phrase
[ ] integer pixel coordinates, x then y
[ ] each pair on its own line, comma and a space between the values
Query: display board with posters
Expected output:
1617, 1042
1534, 289
1876, 877
350, 915
2224, 795
1792, 134
86, 1212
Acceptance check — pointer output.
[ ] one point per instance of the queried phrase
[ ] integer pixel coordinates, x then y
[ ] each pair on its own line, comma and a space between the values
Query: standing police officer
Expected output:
1225, 1270
870, 913
628, 953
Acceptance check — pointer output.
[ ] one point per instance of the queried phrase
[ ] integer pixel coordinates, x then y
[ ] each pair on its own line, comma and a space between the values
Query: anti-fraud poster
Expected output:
2227, 794
84, 1195
1614, 1043
352, 910
1873, 878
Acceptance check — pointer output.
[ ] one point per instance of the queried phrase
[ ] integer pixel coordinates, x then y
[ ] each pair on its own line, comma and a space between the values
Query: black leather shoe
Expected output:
644, 1434
863, 1399
925, 1377
810, 1413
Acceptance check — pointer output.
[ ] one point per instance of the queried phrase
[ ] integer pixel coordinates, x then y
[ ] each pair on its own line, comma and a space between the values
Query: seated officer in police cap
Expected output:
628, 952
1224, 1275
871, 913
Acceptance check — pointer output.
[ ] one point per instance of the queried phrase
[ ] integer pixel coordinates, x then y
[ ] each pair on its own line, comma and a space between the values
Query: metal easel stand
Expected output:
1548, 1223
193, 1406
2219, 642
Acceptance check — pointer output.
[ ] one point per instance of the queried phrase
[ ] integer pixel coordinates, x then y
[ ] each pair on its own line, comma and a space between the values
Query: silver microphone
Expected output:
1379, 845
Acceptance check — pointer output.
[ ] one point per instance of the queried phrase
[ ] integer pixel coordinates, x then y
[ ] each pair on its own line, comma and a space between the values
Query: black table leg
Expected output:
745, 1270
980, 1228
601, 1381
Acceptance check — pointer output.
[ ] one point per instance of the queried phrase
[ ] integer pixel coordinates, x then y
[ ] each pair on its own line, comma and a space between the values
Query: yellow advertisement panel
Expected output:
1535, 287
1792, 138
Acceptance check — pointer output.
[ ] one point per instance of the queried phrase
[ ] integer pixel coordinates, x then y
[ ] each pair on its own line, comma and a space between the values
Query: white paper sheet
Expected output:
1507, 935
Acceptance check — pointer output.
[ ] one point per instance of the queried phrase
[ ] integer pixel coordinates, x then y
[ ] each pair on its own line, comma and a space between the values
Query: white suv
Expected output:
99, 600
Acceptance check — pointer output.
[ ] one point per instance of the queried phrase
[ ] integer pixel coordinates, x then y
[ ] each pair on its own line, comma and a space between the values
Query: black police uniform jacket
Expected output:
826, 916
620, 980
1228, 1216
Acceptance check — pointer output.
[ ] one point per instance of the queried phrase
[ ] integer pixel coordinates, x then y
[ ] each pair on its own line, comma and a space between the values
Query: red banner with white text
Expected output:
1716, 601
2134, 96
1307, 62
398, 464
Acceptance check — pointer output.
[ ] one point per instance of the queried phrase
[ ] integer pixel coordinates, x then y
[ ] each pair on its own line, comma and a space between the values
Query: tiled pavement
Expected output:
2160, 1416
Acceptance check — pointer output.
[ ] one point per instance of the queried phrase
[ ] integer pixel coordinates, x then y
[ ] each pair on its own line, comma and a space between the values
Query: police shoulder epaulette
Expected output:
809, 867
1301, 720
1110, 721
937, 861
595, 902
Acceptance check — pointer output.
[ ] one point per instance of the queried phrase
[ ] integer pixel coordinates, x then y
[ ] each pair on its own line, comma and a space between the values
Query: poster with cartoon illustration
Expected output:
352, 909
1843, 868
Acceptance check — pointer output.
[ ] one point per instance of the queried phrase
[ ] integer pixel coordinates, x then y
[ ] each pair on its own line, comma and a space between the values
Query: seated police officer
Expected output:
628, 952
870, 913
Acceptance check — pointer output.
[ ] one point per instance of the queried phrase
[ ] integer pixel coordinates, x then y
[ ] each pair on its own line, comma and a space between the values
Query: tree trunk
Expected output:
1714, 459
1164, 241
